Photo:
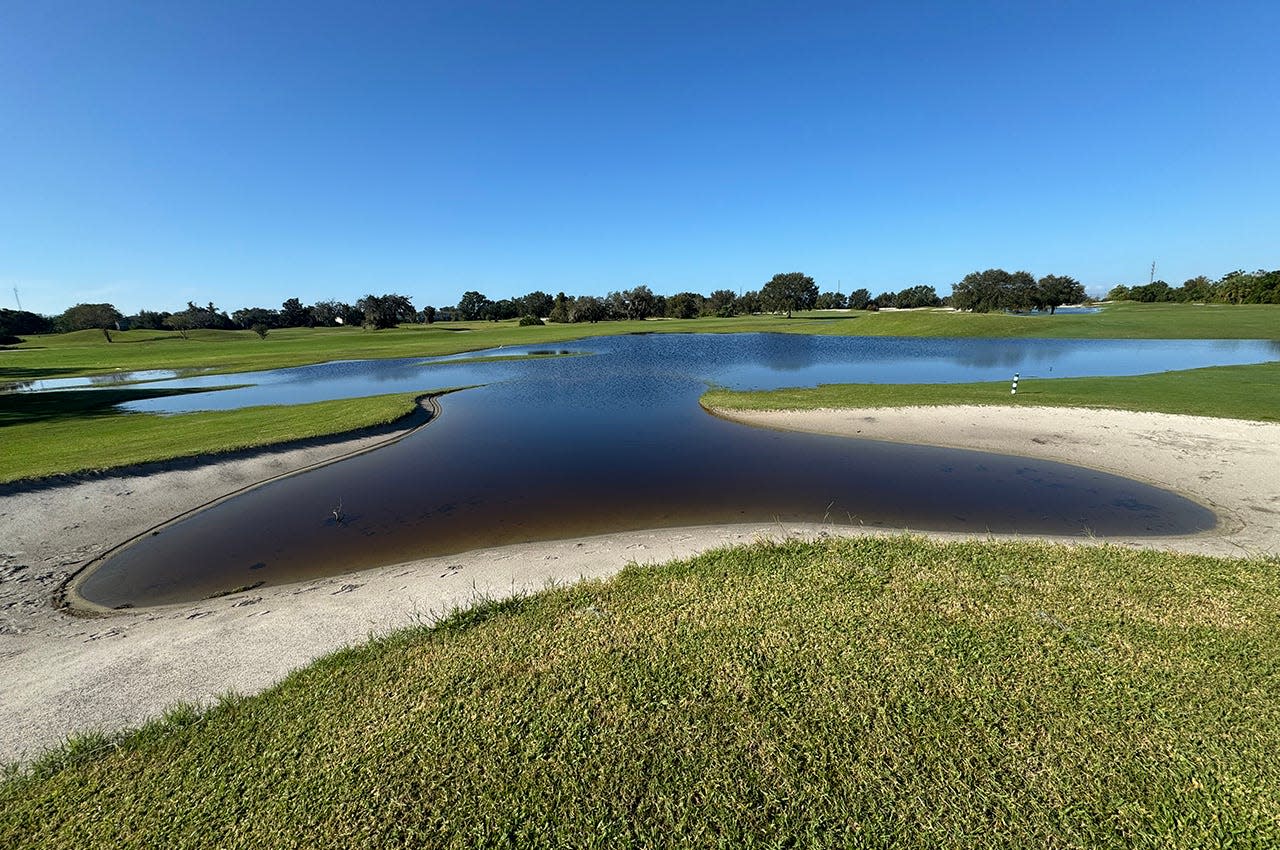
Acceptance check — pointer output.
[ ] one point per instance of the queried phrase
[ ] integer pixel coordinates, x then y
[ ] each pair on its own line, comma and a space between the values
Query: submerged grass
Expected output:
68, 432
1235, 392
876, 692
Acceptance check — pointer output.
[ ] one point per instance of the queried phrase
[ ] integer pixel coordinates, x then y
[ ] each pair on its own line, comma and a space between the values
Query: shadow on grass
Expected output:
26, 408
16, 375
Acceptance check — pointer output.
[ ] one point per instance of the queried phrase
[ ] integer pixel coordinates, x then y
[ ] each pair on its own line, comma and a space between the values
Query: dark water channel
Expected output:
570, 446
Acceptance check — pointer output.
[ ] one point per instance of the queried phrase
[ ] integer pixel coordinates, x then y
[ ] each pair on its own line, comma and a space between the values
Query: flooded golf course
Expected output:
607, 435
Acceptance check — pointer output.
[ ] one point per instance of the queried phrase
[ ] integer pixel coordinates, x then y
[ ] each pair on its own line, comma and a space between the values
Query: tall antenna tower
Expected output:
1152, 279
16, 298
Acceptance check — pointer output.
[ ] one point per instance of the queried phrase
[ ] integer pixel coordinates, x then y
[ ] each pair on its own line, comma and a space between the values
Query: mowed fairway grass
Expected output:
1236, 392
40, 447
874, 692
77, 431
88, 353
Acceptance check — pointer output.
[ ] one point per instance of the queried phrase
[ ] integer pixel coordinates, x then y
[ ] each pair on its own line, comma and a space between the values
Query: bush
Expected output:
526, 321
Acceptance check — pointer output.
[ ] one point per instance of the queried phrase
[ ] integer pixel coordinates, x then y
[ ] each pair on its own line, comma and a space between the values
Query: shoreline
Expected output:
61, 673
1227, 465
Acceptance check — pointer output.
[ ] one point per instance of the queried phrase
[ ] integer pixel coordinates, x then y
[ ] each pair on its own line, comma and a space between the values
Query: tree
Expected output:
789, 292
496, 311
195, 316
247, 317
722, 303
859, 299
588, 308
428, 315
536, 303
1119, 292
1196, 289
260, 329
385, 311
149, 320
294, 315
640, 303
561, 309
472, 306
917, 296
981, 292
1056, 290
14, 322
1152, 292
81, 317
684, 305
747, 304
832, 301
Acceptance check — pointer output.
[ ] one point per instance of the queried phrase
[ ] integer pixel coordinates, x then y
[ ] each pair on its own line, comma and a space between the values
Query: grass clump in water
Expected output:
868, 692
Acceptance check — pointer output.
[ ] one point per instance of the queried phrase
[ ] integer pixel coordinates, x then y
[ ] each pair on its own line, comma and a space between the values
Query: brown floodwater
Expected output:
615, 441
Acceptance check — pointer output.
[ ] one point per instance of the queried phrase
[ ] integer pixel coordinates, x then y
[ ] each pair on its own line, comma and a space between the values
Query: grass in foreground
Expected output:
69, 431
854, 693
1234, 392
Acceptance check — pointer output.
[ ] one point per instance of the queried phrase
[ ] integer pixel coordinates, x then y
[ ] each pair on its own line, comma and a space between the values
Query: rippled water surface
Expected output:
614, 440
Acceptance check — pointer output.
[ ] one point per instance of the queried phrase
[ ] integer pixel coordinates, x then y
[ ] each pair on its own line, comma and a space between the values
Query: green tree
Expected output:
640, 303
789, 292
859, 299
247, 317
684, 305
472, 306
1196, 289
982, 292
1056, 290
588, 308
294, 315
14, 322
722, 303
832, 301
81, 317
748, 303
561, 309
385, 311
536, 303
917, 296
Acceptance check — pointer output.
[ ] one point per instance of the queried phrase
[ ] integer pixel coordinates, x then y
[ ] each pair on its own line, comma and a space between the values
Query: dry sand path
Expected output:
60, 673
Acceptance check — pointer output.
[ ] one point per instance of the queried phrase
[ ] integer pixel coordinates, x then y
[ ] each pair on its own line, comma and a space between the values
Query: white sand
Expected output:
60, 673
1229, 465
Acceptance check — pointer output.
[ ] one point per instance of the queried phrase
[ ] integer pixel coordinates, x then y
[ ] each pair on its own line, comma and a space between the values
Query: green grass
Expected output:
862, 693
53, 433
1234, 392
98, 442
87, 352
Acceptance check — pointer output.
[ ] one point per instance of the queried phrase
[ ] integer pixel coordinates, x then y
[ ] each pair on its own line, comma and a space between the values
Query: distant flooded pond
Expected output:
567, 446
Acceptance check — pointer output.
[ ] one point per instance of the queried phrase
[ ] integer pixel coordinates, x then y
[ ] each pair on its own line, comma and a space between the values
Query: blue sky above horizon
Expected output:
244, 153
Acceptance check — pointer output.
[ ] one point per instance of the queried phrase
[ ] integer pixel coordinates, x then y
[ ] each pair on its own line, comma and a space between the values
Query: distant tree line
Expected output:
1237, 287
783, 294
1018, 292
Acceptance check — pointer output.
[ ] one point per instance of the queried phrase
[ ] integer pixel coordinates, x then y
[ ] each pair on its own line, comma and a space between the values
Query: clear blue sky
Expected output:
248, 152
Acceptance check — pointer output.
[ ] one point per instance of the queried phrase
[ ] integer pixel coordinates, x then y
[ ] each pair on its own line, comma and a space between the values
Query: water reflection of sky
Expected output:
677, 365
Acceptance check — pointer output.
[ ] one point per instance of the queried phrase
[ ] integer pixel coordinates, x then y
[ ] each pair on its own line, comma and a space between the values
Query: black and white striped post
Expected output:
1014, 391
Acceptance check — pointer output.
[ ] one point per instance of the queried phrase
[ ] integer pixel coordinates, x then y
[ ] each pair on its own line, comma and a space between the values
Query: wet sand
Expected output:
61, 673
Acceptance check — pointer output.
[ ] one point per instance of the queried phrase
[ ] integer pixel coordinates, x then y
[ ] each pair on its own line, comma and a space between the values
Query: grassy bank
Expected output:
66, 432
1236, 392
863, 693
87, 352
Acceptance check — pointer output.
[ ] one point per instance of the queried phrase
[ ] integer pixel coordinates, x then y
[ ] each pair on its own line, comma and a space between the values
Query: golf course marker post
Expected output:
1014, 390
